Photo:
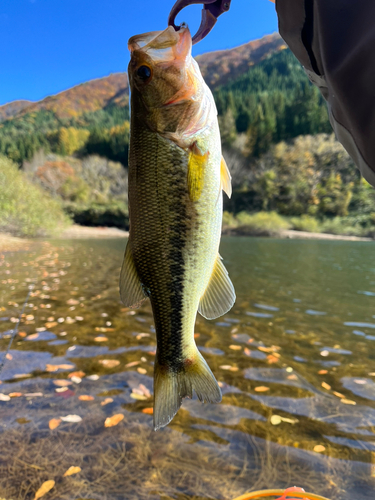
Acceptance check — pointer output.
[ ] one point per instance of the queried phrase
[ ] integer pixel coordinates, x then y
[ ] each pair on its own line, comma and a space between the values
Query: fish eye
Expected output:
144, 72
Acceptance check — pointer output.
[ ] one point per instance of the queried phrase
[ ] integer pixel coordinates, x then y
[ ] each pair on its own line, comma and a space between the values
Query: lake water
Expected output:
295, 358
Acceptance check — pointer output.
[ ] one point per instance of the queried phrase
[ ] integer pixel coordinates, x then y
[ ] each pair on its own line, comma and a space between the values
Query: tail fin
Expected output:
170, 387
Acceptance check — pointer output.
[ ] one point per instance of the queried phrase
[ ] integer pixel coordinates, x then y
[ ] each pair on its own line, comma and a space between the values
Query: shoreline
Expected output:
9, 243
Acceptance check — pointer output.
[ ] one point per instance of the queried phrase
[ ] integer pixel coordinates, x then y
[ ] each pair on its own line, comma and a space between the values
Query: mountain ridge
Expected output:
217, 68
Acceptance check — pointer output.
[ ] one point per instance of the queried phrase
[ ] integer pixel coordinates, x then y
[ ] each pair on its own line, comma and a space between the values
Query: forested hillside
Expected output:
275, 130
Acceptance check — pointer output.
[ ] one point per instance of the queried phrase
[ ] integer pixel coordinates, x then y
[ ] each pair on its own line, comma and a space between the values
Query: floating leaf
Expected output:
106, 401
86, 397
76, 380
141, 335
322, 372
71, 418
45, 488
15, 394
261, 388
33, 336
229, 367
79, 374
101, 339
9, 356
338, 394
139, 397
144, 390
132, 363
4, 397
72, 470
276, 420
326, 386
114, 420
289, 420
319, 448
235, 347
348, 401
148, 411
50, 324
271, 358
142, 371
62, 383
53, 423
61, 389
109, 363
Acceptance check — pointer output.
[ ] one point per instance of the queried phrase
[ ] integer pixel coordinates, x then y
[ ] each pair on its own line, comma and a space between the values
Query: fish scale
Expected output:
175, 209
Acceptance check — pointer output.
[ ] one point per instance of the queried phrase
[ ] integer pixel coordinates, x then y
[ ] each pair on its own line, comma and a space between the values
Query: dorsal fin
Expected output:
131, 291
219, 295
225, 177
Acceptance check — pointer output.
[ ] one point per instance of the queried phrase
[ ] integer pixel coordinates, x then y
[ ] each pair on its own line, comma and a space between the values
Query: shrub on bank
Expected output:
262, 223
25, 209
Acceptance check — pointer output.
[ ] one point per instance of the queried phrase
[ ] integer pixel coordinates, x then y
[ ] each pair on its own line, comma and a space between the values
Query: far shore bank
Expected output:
291, 234
10, 243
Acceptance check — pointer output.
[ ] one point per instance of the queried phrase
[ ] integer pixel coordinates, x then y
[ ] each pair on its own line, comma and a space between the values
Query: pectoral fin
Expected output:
225, 177
219, 295
131, 291
196, 169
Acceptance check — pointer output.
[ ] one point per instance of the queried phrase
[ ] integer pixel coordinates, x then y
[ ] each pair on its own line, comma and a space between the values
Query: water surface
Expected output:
294, 357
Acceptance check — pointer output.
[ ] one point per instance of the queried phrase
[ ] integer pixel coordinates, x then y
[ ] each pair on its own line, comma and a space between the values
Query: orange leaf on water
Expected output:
100, 339
114, 420
326, 386
86, 397
149, 411
15, 394
45, 488
109, 363
79, 374
62, 383
72, 470
132, 363
106, 401
53, 423
261, 388
272, 359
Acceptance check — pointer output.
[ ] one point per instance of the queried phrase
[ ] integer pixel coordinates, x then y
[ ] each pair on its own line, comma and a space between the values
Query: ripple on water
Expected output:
363, 387
312, 312
266, 307
259, 315
211, 350
359, 324
336, 350
23, 363
220, 414
359, 333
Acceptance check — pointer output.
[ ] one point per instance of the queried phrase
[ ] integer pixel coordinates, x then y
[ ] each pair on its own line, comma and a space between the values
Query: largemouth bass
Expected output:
176, 178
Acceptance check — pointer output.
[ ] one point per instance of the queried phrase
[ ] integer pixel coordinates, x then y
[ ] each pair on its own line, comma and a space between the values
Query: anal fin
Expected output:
131, 291
219, 295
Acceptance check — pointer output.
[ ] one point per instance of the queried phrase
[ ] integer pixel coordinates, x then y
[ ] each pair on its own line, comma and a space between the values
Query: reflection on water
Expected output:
294, 358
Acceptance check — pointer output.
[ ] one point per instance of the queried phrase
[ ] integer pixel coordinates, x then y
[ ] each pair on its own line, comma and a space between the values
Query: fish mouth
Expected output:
163, 46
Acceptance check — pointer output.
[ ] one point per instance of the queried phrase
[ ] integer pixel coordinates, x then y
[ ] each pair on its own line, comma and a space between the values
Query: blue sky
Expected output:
50, 45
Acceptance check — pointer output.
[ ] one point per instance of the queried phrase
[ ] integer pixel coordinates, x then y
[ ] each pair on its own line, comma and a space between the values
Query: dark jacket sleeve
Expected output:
334, 40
